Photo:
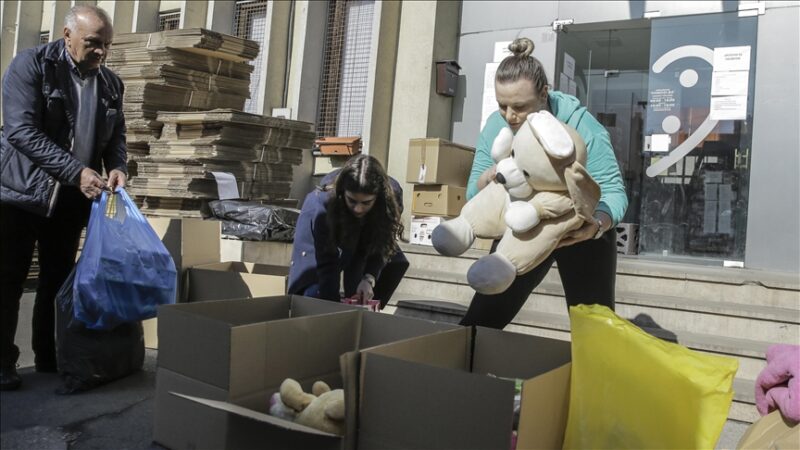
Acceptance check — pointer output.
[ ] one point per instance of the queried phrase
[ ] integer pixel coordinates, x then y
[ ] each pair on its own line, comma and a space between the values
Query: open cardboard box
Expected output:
226, 280
454, 390
220, 362
190, 242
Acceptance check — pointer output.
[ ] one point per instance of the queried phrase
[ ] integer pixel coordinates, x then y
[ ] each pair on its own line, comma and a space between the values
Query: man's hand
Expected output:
487, 177
116, 178
91, 183
364, 290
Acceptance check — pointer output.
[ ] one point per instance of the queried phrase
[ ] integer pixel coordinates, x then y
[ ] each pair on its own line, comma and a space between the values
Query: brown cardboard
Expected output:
482, 244
325, 164
438, 200
190, 242
437, 161
226, 280
443, 389
239, 351
771, 431
192, 414
337, 145
150, 330
543, 417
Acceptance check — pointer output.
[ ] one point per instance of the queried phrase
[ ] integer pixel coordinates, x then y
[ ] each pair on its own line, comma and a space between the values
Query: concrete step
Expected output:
749, 353
757, 322
636, 275
557, 327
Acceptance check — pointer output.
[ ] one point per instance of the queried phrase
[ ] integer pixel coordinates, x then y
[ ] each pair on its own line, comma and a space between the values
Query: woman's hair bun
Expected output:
521, 47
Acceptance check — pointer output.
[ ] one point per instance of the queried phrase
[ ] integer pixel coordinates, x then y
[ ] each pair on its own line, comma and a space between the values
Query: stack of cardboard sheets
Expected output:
181, 170
179, 70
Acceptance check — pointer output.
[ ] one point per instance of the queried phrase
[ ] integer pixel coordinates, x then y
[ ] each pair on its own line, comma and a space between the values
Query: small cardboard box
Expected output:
437, 161
350, 145
422, 229
227, 280
438, 200
220, 362
456, 391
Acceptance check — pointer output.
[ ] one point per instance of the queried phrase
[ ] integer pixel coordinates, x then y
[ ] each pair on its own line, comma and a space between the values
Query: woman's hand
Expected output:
487, 177
588, 231
364, 291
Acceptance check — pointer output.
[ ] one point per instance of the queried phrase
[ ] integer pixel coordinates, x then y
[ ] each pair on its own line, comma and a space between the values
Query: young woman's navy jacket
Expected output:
315, 263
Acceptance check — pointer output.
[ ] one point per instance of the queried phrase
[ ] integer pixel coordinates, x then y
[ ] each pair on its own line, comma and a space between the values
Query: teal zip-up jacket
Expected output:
601, 161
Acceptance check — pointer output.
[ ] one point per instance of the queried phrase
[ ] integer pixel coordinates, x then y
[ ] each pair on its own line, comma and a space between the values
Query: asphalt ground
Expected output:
118, 415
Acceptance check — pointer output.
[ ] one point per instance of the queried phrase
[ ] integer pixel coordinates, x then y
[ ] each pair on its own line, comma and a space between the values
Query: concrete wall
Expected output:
305, 75
428, 33
773, 239
772, 244
380, 83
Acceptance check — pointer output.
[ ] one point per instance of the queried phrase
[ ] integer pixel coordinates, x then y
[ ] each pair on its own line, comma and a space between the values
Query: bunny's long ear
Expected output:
583, 190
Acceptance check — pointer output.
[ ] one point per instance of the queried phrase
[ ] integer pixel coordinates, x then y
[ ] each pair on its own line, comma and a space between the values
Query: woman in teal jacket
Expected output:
587, 257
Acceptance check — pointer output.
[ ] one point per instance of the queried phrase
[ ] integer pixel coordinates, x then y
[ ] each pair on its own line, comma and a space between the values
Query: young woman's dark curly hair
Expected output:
381, 227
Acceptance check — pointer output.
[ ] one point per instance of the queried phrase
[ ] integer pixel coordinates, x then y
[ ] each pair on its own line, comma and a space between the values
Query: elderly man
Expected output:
63, 121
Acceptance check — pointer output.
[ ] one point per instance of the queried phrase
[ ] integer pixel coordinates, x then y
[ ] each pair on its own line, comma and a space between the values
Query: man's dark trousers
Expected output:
57, 238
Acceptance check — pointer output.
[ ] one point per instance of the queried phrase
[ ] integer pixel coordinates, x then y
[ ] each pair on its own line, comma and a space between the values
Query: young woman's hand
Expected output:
597, 226
364, 290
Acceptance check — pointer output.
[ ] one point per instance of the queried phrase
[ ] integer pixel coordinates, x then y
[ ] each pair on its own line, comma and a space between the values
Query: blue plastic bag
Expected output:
124, 271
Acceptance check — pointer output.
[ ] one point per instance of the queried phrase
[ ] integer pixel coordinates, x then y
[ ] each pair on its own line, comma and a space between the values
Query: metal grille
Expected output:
346, 68
44, 37
250, 22
169, 20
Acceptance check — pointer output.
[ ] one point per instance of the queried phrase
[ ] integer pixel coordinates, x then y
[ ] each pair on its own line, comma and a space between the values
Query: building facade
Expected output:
700, 98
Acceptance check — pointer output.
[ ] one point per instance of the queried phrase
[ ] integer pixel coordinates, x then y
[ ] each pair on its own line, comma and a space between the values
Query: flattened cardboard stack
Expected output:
258, 151
178, 70
197, 71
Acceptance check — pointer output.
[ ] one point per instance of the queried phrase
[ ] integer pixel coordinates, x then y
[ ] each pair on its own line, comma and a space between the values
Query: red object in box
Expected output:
371, 305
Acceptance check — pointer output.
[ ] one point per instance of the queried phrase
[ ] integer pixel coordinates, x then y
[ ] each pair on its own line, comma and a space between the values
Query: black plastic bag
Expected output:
254, 221
89, 358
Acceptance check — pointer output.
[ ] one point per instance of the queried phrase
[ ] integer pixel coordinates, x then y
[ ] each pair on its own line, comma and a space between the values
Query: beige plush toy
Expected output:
323, 409
541, 192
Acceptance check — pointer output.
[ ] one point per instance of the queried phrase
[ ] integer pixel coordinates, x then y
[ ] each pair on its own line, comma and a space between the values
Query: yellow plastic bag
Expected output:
632, 390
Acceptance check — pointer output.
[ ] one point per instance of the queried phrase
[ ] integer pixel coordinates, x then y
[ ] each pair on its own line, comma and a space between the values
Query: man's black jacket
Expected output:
39, 115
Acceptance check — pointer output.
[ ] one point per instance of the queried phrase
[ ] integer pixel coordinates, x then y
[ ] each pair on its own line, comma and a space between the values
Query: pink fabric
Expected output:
777, 386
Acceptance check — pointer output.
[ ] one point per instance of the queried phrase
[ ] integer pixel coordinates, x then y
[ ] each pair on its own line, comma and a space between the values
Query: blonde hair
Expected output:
521, 65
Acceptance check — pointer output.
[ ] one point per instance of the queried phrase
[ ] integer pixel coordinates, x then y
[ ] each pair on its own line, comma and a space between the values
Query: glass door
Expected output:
697, 137
606, 67
676, 96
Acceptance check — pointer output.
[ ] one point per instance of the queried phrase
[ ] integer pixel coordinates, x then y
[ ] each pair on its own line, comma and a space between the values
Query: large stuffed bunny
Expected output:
541, 192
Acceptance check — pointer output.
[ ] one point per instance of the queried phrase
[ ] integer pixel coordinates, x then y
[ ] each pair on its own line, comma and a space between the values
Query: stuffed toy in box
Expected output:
322, 409
541, 192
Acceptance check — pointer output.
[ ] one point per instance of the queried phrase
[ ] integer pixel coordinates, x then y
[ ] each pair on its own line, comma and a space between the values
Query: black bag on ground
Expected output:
89, 358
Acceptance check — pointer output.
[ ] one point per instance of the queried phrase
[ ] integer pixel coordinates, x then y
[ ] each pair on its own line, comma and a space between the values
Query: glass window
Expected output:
697, 136
250, 22
679, 123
